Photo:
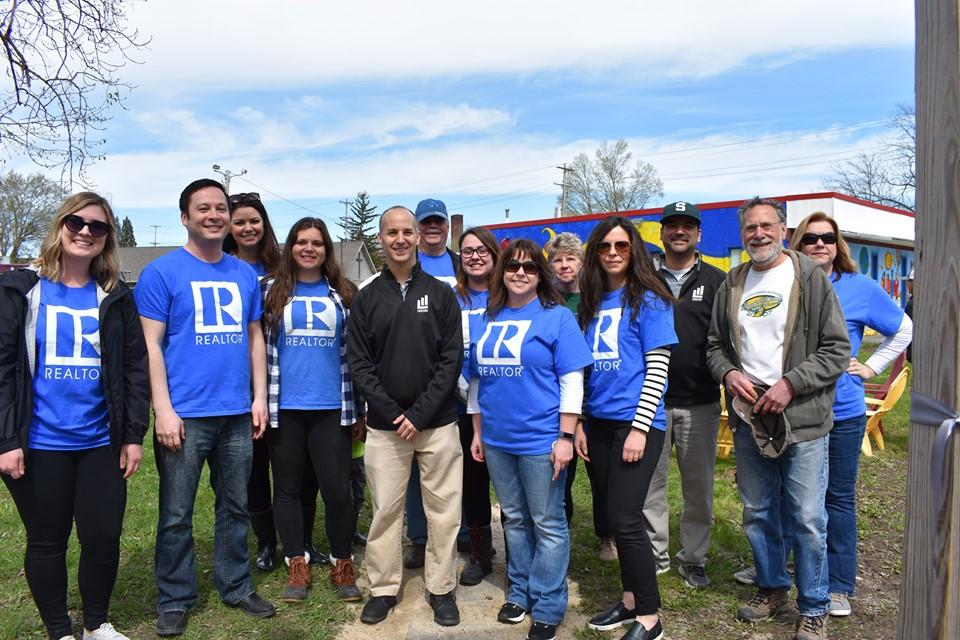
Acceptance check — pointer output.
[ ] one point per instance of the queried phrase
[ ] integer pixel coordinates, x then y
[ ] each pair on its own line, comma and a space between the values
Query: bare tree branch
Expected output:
63, 58
612, 181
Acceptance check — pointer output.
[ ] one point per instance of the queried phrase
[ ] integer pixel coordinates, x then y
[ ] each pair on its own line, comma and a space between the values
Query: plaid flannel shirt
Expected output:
347, 406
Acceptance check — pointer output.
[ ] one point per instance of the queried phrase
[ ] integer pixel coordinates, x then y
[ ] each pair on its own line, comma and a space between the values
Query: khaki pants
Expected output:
387, 458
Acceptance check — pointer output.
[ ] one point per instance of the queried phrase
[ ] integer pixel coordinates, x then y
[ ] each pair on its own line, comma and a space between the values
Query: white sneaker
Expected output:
746, 576
104, 632
840, 605
70, 637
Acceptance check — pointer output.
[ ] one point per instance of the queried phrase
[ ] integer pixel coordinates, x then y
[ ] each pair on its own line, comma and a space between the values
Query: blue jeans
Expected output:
226, 444
845, 440
801, 473
535, 527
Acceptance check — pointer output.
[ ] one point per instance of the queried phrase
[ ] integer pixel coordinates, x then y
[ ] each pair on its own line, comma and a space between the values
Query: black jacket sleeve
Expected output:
360, 357
136, 385
443, 384
11, 354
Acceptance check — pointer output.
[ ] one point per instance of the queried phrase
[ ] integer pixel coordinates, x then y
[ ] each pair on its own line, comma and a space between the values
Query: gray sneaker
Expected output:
746, 576
840, 605
765, 604
694, 576
811, 628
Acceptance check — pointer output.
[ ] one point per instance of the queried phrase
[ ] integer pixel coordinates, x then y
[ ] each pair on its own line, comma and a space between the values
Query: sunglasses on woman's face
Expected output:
810, 239
529, 267
243, 198
75, 224
620, 246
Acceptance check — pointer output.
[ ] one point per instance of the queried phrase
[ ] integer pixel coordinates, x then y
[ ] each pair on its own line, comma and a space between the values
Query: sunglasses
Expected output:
76, 224
620, 246
243, 198
468, 252
810, 239
529, 267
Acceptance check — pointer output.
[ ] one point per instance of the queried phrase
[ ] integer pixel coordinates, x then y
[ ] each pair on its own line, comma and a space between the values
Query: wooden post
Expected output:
930, 591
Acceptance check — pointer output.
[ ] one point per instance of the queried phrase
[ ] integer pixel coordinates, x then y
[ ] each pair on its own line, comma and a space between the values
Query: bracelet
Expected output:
566, 436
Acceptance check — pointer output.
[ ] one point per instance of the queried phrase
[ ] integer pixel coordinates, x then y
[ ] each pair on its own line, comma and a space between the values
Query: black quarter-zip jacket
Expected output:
406, 351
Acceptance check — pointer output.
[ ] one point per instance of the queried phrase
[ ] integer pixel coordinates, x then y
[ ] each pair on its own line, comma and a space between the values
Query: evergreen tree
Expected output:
127, 239
361, 225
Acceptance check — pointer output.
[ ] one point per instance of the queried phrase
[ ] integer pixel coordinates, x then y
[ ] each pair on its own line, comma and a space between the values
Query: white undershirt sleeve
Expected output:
892, 346
473, 396
571, 392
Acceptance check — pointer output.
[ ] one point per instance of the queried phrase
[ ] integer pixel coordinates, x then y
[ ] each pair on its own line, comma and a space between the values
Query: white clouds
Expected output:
290, 43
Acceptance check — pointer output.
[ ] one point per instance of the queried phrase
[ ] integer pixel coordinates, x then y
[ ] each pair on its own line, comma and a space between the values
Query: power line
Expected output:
293, 202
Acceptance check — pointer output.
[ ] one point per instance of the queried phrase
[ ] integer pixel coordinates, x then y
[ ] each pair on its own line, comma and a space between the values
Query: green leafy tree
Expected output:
127, 239
27, 206
361, 224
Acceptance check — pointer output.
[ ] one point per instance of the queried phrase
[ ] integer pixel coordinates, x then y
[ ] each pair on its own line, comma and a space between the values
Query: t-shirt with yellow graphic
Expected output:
763, 321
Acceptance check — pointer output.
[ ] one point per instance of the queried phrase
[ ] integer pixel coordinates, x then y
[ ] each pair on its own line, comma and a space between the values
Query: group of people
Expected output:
440, 375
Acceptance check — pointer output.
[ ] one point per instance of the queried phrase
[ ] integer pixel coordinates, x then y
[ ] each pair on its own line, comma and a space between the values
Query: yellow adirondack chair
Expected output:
724, 435
877, 408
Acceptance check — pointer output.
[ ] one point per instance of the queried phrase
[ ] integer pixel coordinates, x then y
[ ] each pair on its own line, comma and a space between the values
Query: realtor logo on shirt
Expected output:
501, 342
310, 316
605, 345
82, 348
217, 307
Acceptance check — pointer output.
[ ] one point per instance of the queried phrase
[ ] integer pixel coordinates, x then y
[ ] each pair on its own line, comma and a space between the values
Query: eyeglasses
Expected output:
809, 239
529, 267
620, 246
76, 224
468, 252
243, 198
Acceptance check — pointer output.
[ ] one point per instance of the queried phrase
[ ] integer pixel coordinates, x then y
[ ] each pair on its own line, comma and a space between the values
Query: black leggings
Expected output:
625, 485
476, 481
260, 505
58, 488
329, 446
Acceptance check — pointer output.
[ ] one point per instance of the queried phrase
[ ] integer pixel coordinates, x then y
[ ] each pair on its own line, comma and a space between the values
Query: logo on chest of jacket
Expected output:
423, 304
697, 295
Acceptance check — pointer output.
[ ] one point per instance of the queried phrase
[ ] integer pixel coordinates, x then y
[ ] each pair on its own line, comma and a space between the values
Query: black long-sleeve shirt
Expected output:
405, 350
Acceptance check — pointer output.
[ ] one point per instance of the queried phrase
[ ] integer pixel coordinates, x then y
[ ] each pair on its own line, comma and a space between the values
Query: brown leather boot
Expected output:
344, 579
298, 580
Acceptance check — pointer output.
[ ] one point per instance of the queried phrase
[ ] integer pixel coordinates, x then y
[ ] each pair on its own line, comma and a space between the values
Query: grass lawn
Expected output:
688, 614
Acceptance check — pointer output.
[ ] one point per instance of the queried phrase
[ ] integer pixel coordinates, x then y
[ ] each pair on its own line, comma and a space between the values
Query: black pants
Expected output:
260, 504
601, 521
329, 446
358, 486
476, 481
626, 485
568, 489
58, 488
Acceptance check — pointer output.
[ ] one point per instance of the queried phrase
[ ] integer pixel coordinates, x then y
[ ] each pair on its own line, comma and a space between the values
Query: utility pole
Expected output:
155, 227
227, 174
563, 189
346, 212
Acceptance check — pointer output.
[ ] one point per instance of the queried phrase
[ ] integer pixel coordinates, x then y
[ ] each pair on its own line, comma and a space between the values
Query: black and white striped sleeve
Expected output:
654, 382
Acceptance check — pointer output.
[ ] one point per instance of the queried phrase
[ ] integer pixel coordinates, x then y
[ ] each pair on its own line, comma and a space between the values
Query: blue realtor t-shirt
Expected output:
619, 339
69, 404
471, 312
206, 308
519, 357
864, 304
440, 267
308, 346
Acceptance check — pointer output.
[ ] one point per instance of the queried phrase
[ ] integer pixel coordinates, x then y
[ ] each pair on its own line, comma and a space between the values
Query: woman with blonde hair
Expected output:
73, 387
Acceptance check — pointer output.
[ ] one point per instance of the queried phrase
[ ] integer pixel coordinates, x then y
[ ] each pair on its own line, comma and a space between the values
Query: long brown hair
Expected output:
641, 274
285, 275
490, 242
105, 268
546, 291
843, 262
268, 251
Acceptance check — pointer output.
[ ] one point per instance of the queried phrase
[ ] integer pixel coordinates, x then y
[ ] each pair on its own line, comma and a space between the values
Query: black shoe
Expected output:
638, 632
359, 540
316, 556
464, 545
542, 631
171, 623
480, 563
445, 612
511, 614
415, 558
377, 608
266, 558
612, 618
255, 606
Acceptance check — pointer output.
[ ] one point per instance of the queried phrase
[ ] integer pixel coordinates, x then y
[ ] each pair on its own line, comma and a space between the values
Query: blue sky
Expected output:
477, 104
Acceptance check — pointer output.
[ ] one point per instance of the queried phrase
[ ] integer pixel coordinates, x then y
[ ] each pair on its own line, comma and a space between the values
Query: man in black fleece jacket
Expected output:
405, 349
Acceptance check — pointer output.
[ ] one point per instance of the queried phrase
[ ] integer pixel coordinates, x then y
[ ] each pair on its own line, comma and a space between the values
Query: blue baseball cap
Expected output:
429, 208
